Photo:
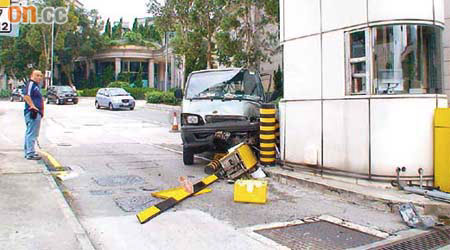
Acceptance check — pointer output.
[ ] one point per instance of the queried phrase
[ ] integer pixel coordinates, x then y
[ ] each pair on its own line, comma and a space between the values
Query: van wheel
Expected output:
111, 106
97, 106
188, 157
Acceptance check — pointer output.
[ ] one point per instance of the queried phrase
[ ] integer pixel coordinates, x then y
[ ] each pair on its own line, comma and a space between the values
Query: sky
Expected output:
129, 10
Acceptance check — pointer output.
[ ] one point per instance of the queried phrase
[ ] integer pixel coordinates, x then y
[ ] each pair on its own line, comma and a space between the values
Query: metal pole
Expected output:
166, 78
53, 38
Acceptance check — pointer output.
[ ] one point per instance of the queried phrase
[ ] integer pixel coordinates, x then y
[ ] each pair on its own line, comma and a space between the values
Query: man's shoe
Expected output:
34, 158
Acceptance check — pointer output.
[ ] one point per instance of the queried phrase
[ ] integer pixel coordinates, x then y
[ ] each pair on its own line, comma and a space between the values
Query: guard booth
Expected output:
442, 149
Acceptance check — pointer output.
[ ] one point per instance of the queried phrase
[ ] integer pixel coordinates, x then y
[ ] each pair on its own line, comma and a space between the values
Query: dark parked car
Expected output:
17, 94
61, 95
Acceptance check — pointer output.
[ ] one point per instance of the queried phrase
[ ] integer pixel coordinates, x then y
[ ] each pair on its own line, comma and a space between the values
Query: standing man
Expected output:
34, 111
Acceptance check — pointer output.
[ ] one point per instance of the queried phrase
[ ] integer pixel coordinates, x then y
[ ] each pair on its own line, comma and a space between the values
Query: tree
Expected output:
10, 48
135, 26
108, 29
117, 30
40, 35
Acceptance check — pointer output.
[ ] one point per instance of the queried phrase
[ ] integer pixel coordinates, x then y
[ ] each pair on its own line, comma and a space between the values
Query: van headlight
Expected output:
191, 119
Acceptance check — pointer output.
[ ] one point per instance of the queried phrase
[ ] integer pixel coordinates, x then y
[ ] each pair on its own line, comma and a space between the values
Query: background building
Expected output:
362, 82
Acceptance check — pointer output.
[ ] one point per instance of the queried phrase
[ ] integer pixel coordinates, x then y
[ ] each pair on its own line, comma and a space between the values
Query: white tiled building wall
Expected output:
447, 49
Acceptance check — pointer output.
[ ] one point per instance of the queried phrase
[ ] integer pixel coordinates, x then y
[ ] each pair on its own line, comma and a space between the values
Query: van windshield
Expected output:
227, 84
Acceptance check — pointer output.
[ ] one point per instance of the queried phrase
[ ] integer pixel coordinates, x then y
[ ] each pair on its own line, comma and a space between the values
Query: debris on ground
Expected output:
250, 191
413, 219
239, 161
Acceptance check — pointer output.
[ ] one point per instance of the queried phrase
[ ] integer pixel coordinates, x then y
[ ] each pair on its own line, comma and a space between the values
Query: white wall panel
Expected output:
385, 10
302, 69
346, 135
439, 10
402, 135
333, 65
282, 120
303, 131
333, 13
282, 2
302, 18
443, 103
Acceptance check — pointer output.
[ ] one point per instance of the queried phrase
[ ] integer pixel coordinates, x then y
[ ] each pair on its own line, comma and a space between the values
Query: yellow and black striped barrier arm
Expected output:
153, 211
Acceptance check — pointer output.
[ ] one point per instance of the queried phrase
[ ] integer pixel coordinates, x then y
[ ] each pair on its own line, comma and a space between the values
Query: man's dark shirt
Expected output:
33, 90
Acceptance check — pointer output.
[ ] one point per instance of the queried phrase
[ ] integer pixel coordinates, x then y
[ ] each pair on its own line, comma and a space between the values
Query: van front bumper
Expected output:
203, 137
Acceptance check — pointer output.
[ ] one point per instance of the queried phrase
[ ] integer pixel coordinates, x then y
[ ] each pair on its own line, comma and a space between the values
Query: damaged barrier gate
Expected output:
239, 161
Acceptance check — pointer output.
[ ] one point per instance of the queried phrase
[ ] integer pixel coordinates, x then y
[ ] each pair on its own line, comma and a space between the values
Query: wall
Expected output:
321, 125
447, 49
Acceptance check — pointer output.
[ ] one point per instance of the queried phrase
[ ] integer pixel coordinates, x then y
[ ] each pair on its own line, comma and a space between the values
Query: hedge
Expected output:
162, 97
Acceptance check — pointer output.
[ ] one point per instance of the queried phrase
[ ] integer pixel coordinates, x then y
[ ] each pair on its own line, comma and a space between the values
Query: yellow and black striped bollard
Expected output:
267, 137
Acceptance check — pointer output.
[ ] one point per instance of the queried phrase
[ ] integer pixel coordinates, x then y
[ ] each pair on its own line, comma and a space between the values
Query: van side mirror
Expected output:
178, 93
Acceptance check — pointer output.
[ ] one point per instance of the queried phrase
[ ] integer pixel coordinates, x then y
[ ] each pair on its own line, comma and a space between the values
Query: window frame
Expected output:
351, 61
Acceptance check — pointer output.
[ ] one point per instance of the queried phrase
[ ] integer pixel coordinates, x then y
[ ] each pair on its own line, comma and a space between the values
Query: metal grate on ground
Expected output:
427, 241
318, 235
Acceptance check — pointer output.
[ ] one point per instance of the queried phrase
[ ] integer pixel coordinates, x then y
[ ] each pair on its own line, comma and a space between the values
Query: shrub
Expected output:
138, 93
89, 92
158, 97
5, 93
169, 98
155, 97
118, 84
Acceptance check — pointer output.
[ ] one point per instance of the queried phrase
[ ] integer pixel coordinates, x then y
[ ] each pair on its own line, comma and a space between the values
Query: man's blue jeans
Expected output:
31, 134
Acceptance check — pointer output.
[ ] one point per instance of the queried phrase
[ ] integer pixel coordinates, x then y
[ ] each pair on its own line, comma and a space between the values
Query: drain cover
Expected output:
115, 181
431, 240
136, 203
318, 235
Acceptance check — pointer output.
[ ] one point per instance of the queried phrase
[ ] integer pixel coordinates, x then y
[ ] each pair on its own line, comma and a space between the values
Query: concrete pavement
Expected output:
33, 212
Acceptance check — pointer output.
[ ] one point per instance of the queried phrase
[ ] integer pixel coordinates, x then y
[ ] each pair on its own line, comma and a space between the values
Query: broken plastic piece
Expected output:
186, 184
174, 192
412, 218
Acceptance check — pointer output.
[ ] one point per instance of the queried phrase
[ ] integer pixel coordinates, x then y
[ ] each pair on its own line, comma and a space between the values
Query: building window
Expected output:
407, 59
358, 63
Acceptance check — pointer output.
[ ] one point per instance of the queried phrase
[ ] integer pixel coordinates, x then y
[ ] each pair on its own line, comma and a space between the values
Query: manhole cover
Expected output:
115, 181
431, 240
136, 203
64, 145
318, 235
92, 125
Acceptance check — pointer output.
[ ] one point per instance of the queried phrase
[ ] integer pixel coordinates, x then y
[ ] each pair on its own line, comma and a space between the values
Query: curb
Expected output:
163, 107
387, 202
80, 234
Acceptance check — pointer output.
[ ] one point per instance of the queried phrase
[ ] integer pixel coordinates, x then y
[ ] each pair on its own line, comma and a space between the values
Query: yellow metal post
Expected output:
442, 149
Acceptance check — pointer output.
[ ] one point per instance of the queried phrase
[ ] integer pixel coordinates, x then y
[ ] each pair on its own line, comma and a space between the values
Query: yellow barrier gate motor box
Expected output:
251, 191
442, 149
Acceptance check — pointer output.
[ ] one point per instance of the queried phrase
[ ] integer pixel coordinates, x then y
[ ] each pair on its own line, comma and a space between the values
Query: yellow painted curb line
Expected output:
52, 161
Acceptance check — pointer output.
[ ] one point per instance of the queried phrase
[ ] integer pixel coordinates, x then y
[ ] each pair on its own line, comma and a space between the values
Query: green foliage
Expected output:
135, 26
108, 29
5, 93
117, 30
138, 82
158, 97
108, 76
88, 92
226, 31
124, 77
118, 84
138, 93
133, 38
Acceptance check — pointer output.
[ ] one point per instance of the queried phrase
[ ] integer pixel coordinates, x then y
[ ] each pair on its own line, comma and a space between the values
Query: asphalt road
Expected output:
120, 157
